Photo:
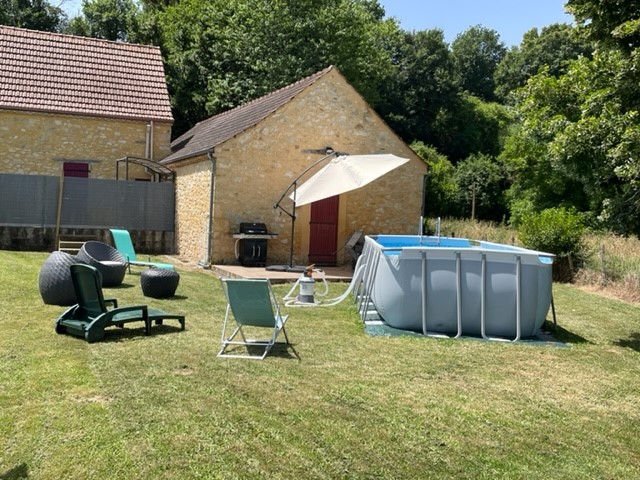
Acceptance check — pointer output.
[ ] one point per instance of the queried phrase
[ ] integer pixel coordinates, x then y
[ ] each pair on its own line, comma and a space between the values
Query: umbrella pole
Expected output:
293, 223
330, 152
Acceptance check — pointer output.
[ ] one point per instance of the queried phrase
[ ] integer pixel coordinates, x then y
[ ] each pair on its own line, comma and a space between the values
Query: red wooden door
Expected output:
323, 235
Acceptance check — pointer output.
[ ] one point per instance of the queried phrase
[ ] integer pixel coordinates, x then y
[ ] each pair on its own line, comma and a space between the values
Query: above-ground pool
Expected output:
455, 286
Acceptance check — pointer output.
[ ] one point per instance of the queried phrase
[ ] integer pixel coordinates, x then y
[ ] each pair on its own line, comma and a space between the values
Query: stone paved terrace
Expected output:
334, 274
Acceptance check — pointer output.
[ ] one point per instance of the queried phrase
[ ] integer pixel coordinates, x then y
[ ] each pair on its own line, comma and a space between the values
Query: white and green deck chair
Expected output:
254, 308
123, 243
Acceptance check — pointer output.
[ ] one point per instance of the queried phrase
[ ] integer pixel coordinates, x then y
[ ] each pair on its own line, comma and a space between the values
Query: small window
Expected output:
76, 169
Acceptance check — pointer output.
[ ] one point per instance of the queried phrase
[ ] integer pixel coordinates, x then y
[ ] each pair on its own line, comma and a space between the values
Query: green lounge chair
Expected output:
123, 243
252, 304
90, 316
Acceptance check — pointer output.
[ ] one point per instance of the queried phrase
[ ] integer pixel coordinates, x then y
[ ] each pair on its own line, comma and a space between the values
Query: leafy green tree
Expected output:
157, 4
545, 107
221, 53
440, 185
423, 88
554, 48
32, 14
612, 23
481, 182
578, 144
115, 20
424, 102
471, 125
476, 54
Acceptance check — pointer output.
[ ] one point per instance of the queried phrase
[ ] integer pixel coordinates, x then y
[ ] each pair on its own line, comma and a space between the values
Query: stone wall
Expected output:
255, 167
192, 209
39, 143
43, 239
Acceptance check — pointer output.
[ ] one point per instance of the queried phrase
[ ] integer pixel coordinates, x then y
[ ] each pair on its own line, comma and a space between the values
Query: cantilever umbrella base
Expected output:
286, 268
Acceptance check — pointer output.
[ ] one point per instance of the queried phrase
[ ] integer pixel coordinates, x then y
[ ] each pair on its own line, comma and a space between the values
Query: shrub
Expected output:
519, 209
558, 231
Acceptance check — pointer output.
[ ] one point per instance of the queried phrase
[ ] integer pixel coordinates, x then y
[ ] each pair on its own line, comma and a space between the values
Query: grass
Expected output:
352, 406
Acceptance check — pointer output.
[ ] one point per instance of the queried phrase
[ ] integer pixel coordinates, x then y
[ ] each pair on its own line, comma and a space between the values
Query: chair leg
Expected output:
285, 335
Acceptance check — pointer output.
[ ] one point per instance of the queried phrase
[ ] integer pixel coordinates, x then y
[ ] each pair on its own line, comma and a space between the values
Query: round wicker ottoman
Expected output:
54, 279
159, 282
106, 259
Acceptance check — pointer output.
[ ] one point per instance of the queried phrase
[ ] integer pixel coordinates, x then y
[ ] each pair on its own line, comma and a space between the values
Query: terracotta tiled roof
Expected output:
226, 125
50, 72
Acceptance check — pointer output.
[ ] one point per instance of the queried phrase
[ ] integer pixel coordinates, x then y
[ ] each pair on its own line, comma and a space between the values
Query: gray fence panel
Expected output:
28, 200
86, 203
146, 205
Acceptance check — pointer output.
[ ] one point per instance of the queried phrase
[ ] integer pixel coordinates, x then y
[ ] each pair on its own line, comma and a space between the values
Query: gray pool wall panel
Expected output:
455, 287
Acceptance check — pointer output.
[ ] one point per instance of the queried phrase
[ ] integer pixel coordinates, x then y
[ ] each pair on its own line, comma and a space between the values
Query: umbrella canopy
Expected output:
343, 174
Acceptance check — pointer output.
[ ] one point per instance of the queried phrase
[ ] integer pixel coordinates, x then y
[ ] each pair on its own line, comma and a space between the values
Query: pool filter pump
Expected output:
306, 298
307, 286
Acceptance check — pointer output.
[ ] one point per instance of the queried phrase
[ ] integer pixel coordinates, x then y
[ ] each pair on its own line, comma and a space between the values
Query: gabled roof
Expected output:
220, 128
50, 72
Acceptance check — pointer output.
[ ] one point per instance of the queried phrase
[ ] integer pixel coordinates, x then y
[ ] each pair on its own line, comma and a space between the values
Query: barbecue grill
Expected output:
251, 244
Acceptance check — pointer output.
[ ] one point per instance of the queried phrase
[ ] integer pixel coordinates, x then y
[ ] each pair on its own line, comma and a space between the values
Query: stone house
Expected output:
75, 105
232, 168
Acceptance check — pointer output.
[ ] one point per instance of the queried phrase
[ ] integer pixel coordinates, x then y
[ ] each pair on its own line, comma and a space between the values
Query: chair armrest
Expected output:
112, 301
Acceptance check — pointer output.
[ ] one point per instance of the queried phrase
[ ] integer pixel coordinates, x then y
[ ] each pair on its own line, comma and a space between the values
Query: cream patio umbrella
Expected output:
343, 174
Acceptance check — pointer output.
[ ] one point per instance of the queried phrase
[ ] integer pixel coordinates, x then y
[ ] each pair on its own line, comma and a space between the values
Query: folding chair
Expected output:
252, 303
123, 243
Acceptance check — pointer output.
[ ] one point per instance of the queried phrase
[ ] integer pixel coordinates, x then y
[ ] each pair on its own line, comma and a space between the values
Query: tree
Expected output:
614, 24
32, 14
423, 88
481, 181
554, 48
476, 54
578, 144
471, 125
440, 185
221, 53
115, 20
424, 101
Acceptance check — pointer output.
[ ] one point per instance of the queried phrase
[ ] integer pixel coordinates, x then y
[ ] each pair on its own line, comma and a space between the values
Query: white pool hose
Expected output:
291, 301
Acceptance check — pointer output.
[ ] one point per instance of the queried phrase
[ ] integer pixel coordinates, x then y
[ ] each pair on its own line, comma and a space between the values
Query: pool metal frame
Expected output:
372, 253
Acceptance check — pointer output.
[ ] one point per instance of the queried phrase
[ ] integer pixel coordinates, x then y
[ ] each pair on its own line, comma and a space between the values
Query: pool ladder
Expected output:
362, 292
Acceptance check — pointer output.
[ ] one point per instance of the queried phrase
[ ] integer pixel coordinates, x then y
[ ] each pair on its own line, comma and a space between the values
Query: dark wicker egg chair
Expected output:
106, 259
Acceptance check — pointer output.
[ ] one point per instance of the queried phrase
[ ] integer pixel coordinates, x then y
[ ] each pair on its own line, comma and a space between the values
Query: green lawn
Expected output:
352, 406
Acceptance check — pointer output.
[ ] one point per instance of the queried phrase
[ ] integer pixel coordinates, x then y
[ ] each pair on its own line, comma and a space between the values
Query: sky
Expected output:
510, 18
71, 7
